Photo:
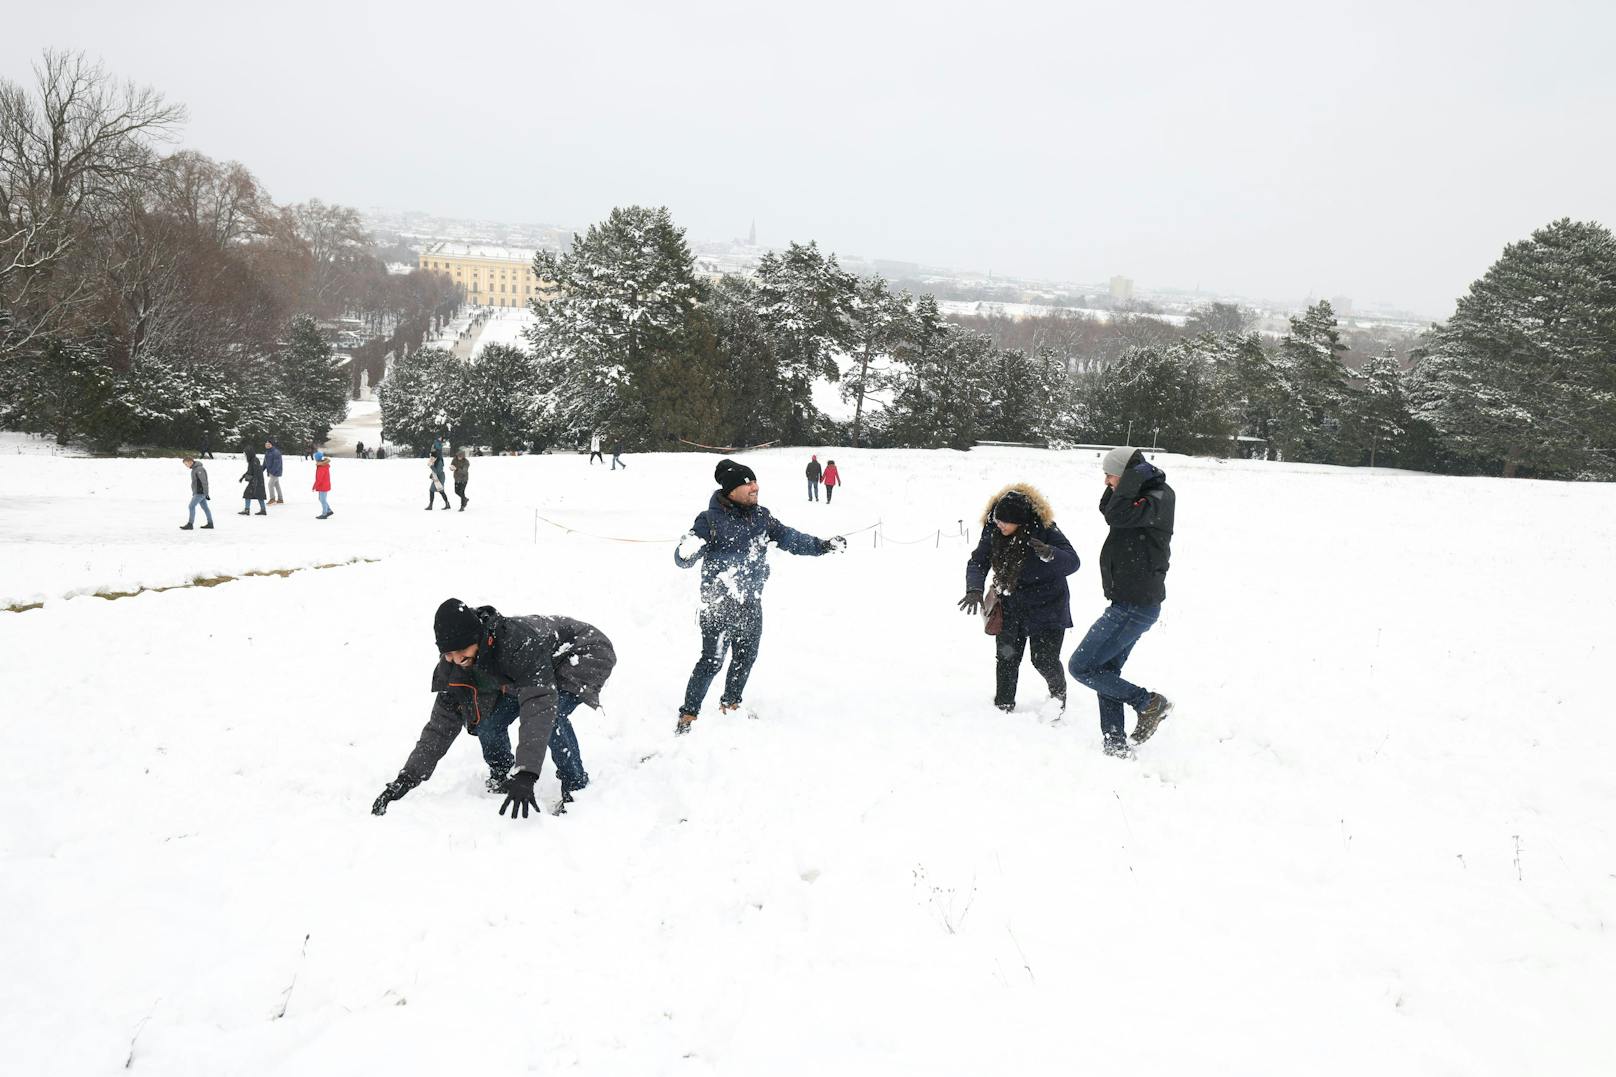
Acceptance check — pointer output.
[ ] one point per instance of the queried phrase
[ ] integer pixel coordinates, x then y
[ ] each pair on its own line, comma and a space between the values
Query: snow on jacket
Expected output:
272, 462
832, 476
199, 479
814, 471
254, 477
529, 657
732, 543
594, 443
1040, 597
322, 476
1139, 511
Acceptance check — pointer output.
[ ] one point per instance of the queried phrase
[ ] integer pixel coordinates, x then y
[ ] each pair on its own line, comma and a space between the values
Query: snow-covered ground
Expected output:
505, 326
1376, 837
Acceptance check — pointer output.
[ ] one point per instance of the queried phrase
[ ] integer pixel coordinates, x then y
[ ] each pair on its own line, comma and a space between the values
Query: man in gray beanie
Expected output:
731, 540
1138, 507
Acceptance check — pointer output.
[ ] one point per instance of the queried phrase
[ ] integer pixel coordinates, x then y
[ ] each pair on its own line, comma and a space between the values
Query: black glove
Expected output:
832, 545
1043, 550
395, 791
519, 795
972, 602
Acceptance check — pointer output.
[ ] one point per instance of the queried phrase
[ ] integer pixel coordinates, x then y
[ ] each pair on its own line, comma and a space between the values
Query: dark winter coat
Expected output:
1139, 511
1040, 596
734, 552
814, 471
254, 477
529, 657
437, 467
272, 462
199, 479
462, 467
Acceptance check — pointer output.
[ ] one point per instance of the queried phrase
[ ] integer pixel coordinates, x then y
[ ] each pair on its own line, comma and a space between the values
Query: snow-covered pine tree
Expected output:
1524, 374
805, 305
498, 401
1314, 384
314, 387
942, 381
418, 397
622, 301
1382, 417
875, 323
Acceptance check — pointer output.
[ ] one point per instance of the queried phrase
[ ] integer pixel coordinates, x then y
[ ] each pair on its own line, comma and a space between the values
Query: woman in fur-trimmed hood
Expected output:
1030, 560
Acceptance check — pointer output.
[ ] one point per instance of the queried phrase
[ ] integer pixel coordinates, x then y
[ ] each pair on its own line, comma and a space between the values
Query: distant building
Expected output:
1121, 288
492, 276
1342, 304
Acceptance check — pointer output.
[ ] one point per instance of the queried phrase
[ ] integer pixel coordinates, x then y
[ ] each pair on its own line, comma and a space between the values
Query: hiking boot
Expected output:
244, 512
498, 781
685, 722
728, 708
207, 527
261, 512
566, 798
1151, 715
1117, 747
186, 527
1006, 707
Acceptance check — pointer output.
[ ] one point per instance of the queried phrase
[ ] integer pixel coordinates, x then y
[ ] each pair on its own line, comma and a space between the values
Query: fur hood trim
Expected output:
1040, 504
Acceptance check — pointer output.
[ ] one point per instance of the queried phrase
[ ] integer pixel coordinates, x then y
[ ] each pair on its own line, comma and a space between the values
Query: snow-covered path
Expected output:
1376, 837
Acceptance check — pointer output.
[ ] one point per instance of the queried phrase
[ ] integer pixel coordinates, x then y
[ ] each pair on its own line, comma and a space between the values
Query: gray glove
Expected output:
1043, 550
972, 602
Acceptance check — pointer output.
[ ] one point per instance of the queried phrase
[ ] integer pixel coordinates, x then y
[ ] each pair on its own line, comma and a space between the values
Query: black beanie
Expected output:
728, 474
1013, 509
456, 626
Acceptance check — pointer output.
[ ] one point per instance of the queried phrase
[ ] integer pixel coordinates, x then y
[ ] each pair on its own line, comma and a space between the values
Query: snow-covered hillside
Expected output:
1376, 836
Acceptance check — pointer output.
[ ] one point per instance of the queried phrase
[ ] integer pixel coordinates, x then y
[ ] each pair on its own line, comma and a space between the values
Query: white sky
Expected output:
1383, 151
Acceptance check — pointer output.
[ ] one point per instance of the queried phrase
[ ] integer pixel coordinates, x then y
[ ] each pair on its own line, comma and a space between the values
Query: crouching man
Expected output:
495, 670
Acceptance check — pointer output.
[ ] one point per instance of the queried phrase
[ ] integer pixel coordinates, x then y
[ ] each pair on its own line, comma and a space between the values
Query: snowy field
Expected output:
1375, 838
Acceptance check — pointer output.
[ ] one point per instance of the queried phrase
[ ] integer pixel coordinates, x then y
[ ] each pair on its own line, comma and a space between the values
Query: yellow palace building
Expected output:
492, 276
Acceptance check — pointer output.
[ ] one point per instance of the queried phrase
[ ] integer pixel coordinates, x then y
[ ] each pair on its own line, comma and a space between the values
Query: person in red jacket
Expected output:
832, 480
322, 482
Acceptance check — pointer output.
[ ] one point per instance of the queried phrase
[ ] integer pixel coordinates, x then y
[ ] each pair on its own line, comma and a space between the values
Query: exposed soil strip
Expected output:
208, 581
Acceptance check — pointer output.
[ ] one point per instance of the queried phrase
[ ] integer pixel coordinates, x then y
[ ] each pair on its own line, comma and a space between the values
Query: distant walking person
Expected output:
322, 483
731, 540
617, 454
594, 449
254, 478
199, 494
462, 469
1138, 507
833, 479
274, 465
1030, 560
435, 490
814, 474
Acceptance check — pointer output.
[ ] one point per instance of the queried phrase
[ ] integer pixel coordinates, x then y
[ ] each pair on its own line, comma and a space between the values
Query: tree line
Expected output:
632, 342
164, 298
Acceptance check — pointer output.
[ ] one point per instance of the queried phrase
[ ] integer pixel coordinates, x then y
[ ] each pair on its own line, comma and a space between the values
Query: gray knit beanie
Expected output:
1116, 461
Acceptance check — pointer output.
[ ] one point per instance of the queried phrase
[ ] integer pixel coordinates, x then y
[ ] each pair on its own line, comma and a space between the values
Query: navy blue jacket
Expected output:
1041, 598
272, 461
734, 544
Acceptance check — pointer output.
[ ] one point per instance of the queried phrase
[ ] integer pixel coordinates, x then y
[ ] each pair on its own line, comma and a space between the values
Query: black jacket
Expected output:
1133, 561
814, 471
254, 478
1040, 598
530, 658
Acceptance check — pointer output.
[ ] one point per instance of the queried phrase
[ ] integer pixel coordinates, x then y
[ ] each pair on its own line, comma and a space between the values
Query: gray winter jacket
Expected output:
199, 479
530, 658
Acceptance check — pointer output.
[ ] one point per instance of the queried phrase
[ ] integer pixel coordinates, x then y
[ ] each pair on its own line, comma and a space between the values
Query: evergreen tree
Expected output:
622, 301
418, 397
1313, 382
495, 399
314, 387
1024, 396
875, 329
805, 305
1169, 394
942, 382
1524, 374
1382, 417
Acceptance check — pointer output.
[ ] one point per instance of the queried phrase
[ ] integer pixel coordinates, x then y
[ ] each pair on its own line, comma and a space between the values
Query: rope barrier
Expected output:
880, 533
729, 448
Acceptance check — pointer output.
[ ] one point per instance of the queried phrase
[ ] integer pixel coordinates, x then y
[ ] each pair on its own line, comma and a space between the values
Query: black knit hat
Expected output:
728, 474
456, 626
1013, 508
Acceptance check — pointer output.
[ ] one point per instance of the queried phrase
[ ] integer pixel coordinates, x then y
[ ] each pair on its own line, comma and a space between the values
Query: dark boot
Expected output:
498, 780
1117, 748
207, 527
685, 722
186, 527
1151, 715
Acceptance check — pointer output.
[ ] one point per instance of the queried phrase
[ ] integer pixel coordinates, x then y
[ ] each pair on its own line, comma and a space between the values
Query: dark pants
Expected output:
460, 492
1046, 648
434, 492
494, 734
1098, 660
738, 630
813, 489
829, 490
595, 455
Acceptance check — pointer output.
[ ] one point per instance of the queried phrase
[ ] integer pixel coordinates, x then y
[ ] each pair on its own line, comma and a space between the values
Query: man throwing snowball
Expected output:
494, 670
731, 540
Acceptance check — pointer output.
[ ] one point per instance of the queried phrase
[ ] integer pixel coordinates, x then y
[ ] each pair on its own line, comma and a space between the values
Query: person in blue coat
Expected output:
1030, 560
731, 540
274, 467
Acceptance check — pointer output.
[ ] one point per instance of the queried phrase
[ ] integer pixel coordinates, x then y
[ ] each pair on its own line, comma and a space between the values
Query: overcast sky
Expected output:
1382, 151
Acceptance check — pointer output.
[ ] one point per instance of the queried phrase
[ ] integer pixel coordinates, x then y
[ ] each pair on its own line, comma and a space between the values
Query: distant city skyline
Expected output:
1382, 150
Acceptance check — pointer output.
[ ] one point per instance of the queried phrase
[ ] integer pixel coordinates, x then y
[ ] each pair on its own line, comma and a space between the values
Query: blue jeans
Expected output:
737, 630
325, 506
199, 499
1097, 662
494, 734
813, 490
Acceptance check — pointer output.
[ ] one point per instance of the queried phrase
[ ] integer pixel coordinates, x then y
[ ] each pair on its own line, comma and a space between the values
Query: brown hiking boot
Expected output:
728, 708
1151, 715
685, 722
